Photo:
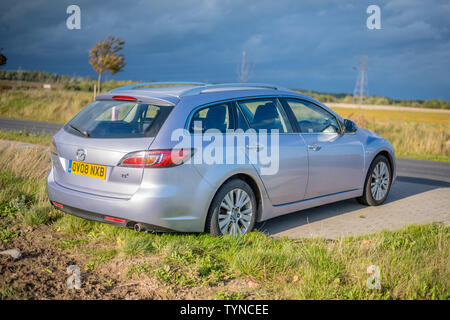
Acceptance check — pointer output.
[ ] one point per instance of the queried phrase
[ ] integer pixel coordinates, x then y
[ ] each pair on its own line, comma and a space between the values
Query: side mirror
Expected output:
350, 126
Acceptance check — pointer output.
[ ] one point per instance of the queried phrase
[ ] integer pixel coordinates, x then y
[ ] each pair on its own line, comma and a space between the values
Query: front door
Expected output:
336, 160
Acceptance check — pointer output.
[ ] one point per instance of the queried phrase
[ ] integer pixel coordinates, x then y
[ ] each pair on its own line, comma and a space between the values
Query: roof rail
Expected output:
229, 86
160, 84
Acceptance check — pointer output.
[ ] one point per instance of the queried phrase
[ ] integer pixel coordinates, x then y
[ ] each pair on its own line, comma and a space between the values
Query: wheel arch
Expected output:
255, 188
388, 156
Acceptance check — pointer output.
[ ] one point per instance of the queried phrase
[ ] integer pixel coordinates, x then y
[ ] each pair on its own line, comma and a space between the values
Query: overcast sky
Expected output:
298, 44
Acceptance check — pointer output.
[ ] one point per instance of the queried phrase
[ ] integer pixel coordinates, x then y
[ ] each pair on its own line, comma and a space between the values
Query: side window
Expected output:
216, 117
312, 118
265, 114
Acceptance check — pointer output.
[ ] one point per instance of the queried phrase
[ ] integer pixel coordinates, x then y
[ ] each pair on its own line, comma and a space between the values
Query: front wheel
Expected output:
233, 209
378, 182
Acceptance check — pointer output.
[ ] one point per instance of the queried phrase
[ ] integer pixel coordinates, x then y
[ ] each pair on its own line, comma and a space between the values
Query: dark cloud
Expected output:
300, 44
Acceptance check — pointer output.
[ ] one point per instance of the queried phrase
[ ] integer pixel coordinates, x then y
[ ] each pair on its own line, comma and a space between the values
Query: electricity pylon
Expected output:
361, 90
245, 68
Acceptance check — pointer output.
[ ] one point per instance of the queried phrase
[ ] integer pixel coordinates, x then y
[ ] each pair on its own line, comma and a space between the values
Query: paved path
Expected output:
420, 195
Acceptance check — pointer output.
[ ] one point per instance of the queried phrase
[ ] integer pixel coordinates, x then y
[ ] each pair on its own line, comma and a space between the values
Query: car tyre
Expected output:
378, 182
233, 209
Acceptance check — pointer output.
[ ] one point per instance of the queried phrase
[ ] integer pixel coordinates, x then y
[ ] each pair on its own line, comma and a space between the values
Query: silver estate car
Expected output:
120, 160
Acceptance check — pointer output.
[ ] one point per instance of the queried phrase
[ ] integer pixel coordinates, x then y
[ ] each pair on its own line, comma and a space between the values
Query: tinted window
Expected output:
265, 114
312, 118
118, 119
217, 117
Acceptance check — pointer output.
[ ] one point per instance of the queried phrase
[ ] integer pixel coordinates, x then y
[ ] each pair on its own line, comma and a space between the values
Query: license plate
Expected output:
87, 169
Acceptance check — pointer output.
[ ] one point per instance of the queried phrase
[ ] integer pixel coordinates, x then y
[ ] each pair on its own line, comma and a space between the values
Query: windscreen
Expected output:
118, 119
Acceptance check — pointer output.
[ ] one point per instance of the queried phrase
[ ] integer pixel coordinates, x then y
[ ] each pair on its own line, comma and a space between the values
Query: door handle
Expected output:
314, 147
257, 147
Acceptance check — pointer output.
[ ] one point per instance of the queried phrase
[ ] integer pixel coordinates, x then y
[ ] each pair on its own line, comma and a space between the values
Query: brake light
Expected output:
53, 148
126, 98
156, 158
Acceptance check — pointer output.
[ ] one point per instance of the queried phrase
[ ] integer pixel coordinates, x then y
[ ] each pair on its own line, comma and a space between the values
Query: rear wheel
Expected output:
233, 209
378, 182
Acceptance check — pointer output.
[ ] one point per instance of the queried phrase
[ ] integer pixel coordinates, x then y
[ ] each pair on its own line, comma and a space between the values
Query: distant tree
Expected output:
3, 58
104, 57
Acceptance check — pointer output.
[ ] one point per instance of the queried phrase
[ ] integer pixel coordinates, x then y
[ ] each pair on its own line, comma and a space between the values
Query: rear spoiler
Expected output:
156, 99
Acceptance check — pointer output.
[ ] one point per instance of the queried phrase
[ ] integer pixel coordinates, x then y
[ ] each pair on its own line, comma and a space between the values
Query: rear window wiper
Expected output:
83, 132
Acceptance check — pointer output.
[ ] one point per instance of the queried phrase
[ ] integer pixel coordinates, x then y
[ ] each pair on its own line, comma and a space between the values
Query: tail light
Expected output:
53, 148
156, 158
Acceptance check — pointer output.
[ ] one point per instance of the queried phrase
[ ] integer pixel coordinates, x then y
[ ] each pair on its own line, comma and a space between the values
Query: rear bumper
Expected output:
165, 208
107, 219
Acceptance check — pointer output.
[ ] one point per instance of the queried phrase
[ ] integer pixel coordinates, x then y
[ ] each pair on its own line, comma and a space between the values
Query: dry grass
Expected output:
411, 139
396, 115
42, 105
25, 160
422, 135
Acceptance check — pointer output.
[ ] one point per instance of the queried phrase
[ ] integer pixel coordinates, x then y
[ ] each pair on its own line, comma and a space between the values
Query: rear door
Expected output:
286, 173
91, 146
336, 160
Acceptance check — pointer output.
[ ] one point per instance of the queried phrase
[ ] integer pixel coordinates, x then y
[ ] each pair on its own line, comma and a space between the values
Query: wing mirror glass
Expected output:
350, 126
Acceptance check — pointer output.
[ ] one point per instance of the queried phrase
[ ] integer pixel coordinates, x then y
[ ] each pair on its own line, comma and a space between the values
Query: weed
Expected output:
224, 295
137, 269
8, 293
69, 244
7, 234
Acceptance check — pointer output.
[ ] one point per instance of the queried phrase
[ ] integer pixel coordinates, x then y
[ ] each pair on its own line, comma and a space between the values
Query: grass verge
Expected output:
413, 262
25, 137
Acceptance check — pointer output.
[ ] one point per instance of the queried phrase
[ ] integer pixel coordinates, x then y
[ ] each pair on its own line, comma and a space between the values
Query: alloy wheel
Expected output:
235, 212
379, 184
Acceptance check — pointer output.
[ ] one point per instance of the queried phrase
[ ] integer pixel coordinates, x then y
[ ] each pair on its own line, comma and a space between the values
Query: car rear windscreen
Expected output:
118, 119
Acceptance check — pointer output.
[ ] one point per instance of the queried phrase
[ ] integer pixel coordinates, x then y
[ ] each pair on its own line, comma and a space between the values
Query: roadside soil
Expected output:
41, 273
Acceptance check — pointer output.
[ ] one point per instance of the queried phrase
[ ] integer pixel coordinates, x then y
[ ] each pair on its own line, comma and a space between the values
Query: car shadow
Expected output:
403, 187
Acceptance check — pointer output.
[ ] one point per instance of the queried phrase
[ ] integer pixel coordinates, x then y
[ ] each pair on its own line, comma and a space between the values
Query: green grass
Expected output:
7, 234
136, 246
100, 257
8, 293
70, 244
413, 261
23, 136
138, 269
224, 295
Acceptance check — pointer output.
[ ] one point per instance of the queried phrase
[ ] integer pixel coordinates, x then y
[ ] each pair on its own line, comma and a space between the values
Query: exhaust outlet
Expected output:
138, 227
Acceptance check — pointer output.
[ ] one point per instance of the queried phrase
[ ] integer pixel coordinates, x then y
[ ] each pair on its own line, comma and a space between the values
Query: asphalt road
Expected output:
420, 195
30, 126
